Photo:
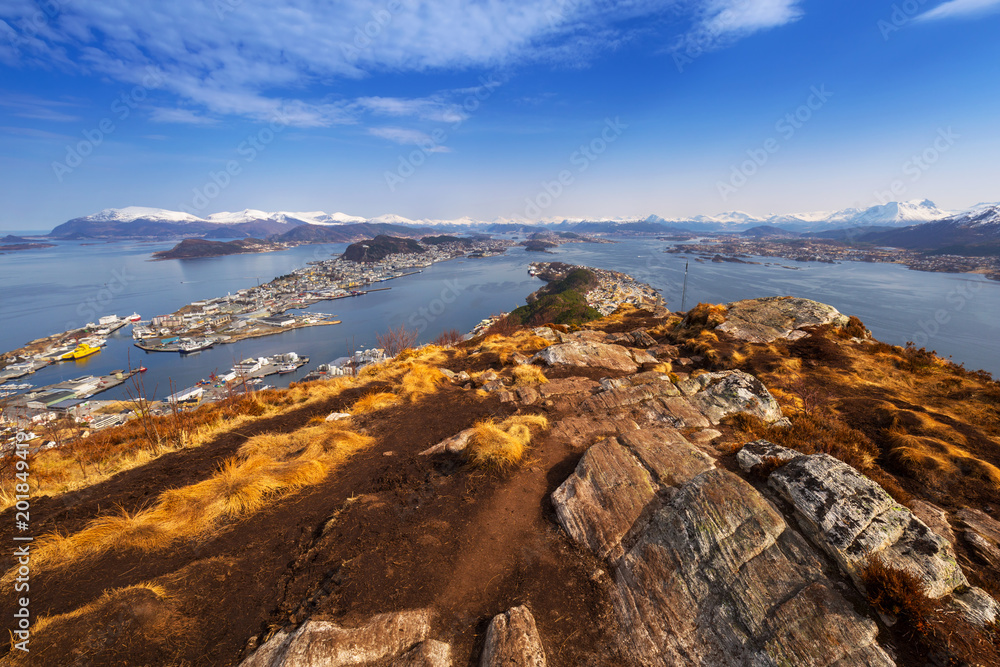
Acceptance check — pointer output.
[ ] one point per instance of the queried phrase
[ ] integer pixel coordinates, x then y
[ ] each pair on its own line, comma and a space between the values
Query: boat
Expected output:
82, 350
143, 369
287, 368
134, 317
187, 347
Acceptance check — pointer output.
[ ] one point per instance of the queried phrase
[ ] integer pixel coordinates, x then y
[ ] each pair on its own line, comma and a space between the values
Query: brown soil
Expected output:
385, 532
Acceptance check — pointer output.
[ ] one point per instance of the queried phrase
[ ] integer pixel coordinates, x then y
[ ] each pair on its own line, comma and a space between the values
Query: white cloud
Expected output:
722, 22
960, 9
408, 137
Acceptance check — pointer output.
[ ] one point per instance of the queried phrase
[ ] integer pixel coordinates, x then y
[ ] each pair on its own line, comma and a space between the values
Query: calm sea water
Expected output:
50, 290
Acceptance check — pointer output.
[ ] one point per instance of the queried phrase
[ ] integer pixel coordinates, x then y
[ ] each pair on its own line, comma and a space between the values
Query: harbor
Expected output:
63, 397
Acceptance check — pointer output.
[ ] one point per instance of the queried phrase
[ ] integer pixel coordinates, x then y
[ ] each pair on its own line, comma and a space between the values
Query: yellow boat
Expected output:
82, 350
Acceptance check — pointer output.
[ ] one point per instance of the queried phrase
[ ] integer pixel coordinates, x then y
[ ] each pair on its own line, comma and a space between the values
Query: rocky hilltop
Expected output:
756, 483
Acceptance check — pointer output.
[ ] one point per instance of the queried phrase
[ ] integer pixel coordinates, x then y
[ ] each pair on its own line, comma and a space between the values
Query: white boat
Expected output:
134, 317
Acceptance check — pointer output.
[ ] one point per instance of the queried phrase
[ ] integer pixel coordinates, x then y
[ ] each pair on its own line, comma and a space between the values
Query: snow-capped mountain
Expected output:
131, 213
972, 232
140, 221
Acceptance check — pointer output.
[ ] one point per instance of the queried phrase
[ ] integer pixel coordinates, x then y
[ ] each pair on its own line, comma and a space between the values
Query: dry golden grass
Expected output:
501, 446
373, 402
524, 342
264, 466
527, 374
421, 380
108, 597
665, 368
435, 355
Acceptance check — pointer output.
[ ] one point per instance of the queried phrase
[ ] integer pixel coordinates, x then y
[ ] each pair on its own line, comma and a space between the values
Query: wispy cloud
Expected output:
960, 9
183, 116
719, 23
37, 108
408, 137
271, 59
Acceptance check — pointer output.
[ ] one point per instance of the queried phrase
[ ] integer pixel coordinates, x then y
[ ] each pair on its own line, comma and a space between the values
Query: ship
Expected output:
189, 346
287, 368
134, 317
82, 350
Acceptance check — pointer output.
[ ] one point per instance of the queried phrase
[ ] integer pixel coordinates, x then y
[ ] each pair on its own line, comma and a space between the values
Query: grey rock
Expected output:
616, 479
715, 578
982, 533
753, 454
588, 354
852, 518
977, 606
337, 416
730, 392
324, 644
771, 318
546, 333
512, 641
454, 445
636, 338
600, 501
429, 653
448, 373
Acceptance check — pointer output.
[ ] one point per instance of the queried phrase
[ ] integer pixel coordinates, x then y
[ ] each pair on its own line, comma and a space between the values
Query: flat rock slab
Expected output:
617, 479
982, 533
762, 451
852, 518
600, 501
588, 354
771, 318
715, 578
324, 644
512, 640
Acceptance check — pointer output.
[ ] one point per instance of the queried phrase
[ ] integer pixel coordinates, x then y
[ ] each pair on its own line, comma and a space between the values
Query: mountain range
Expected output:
918, 224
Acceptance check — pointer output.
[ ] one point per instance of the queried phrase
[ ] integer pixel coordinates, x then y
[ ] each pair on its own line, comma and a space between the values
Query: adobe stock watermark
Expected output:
918, 164
957, 299
91, 308
424, 316
121, 108
409, 164
581, 158
248, 149
786, 127
902, 14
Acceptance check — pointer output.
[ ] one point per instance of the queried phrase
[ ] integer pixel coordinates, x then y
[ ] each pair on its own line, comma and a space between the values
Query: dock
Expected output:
63, 396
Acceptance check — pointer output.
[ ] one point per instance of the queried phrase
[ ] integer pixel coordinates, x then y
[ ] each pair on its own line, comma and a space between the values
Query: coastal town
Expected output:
730, 248
262, 310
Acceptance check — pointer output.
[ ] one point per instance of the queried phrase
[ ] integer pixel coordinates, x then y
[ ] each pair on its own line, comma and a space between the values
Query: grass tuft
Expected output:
373, 402
501, 446
527, 374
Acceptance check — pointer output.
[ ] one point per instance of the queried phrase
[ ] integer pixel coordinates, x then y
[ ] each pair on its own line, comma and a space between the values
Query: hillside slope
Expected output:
549, 496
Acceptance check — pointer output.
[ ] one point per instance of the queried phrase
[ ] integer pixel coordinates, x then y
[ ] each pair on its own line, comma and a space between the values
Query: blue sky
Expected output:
551, 108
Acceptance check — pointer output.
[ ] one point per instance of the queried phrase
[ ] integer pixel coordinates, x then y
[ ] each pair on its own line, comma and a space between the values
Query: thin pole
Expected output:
684, 291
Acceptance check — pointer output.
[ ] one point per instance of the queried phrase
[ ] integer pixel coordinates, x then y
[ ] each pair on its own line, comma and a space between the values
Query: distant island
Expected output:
193, 248
10, 243
380, 247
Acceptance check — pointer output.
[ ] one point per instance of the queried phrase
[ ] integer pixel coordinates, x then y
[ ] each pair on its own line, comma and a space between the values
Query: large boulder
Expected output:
325, 644
715, 578
852, 518
588, 354
767, 319
721, 394
512, 641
